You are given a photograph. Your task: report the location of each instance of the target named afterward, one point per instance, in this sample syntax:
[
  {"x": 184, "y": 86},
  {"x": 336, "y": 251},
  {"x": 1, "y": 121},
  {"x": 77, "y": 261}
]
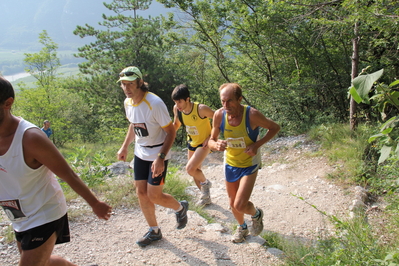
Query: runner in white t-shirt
[{"x": 152, "y": 130}]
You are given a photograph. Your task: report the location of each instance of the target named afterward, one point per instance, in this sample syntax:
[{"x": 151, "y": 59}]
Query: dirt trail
[{"x": 288, "y": 173}]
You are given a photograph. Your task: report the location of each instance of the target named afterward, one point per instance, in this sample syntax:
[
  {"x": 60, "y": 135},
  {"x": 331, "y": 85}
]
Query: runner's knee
[
  {"x": 191, "y": 169},
  {"x": 240, "y": 205}
]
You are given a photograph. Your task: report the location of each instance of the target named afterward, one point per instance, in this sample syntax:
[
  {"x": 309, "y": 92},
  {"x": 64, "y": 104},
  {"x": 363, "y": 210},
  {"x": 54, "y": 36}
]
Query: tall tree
[
  {"x": 51, "y": 99},
  {"x": 355, "y": 67},
  {"x": 204, "y": 21},
  {"x": 44, "y": 64}
]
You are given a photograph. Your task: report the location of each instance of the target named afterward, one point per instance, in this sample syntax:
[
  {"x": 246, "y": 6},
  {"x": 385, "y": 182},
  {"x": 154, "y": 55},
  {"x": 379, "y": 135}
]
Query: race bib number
[
  {"x": 13, "y": 210},
  {"x": 140, "y": 129},
  {"x": 192, "y": 130},
  {"x": 236, "y": 143}
]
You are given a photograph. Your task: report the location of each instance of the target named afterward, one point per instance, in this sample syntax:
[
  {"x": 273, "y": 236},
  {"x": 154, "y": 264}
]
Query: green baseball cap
[{"x": 130, "y": 73}]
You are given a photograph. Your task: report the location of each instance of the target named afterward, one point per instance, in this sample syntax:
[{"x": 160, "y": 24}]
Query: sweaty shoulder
[
  {"x": 219, "y": 112},
  {"x": 257, "y": 119},
  {"x": 35, "y": 142},
  {"x": 33, "y": 137},
  {"x": 205, "y": 111},
  {"x": 217, "y": 117}
]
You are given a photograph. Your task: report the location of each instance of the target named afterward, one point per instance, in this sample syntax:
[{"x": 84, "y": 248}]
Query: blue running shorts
[{"x": 232, "y": 174}]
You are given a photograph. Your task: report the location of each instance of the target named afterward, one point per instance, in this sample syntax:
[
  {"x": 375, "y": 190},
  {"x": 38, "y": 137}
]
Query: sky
[{"x": 21, "y": 25}]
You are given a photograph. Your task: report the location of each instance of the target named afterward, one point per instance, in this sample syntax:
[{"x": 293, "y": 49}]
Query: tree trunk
[{"x": 355, "y": 65}]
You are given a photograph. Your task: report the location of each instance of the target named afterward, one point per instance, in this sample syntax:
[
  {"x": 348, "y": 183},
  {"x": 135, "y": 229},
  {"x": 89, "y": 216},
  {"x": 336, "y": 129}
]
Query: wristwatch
[{"x": 162, "y": 155}]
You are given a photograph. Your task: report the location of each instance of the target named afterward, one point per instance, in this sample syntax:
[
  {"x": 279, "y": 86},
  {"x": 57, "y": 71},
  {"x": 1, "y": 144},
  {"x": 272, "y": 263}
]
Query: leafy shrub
[{"x": 90, "y": 168}]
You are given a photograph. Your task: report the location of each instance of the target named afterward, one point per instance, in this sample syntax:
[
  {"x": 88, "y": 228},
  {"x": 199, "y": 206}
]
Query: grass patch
[
  {"x": 120, "y": 191},
  {"x": 203, "y": 213},
  {"x": 7, "y": 232},
  {"x": 107, "y": 150},
  {"x": 176, "y": 186},
  {"x": 295, "y": 249},
  {"x": 355, "y": 242},
  {"x": 343, "y": 147}
]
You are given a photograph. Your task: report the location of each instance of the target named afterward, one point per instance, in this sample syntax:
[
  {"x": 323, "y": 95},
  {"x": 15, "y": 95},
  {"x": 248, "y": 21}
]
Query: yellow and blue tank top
[
  {"x": 238, "y": 138},
  {"x": 198, "y": 129}
]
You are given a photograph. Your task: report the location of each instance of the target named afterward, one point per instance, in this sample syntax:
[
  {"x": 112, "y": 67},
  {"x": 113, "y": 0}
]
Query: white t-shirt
[
  {"x": 29, "y": 197},
  {"x": 148, "y": 117}
]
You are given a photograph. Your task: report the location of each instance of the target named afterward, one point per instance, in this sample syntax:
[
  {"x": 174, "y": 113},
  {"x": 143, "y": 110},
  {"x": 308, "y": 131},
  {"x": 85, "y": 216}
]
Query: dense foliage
[{"x": 293, "y": 59}]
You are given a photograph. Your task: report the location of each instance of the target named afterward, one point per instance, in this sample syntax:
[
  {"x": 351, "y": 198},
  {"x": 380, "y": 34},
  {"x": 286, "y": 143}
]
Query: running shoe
[
  {"x": 181, "y": 216},
  {"x": 149, "y": 237},
  {"x": 240, "y": 234},
  {"x": 257, "y": 224},
  {"x": 205, "y": 194}
]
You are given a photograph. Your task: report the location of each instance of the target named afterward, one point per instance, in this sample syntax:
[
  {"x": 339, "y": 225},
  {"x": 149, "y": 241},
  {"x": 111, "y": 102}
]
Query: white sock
[
  {"x": 180, "y": 208},
  {"x": 204, "y": 183},
  {"x": 155, "y": 229},
  {"x": 257, "y": 214}
]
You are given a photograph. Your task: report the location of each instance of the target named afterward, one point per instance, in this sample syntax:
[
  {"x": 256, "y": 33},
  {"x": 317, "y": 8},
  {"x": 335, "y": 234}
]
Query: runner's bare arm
[
  {"x": 257, "y": 119},
  {"x": 176, "y": 121},
  {"x": 39, "y": 150},
  {"x": 123, "y": 151},
  {"x": 214, "y": 142},
  {"x": 205, "y": 111},
  {"x": 158, "y": 165}
]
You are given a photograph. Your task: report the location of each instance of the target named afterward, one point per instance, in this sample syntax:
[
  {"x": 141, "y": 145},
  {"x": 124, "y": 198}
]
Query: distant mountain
[{"x": 22, "y": 21}]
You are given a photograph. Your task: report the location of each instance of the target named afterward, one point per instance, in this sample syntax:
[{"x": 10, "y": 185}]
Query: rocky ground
[{"x": 290, "y": 181}]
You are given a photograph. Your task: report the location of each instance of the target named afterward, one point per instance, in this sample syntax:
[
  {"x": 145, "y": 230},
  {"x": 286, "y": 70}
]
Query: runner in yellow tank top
[
  {"x": 238, "y": 139},
  {"x": 198, "y": 128},
  {"x": 241, "y": 167},
  {"x": 195, "y": 118}
]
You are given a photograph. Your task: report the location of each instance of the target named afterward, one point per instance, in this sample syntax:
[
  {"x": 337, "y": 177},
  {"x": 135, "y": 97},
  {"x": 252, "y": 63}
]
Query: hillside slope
[{"x": 288, "y": 170}]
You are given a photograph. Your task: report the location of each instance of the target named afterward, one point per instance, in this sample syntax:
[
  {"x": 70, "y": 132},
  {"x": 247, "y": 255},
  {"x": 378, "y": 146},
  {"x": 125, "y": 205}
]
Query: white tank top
[{"x": 29, "y": 197}]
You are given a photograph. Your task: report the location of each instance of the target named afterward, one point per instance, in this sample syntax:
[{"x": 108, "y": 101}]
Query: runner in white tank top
[
  {"x": 29, "y": 192},
  {"x": 30, "y": 197}
]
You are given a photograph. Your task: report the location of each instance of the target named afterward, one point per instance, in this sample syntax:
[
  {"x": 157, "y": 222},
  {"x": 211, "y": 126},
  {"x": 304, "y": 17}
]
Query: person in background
[
  {"x": 241, "y": 145},
  {"x": 30, "y": 194},
  {"x": 152, "y": 130},
  {"x": 195, "y": 118},
  {"x": 46, "y": 128}
]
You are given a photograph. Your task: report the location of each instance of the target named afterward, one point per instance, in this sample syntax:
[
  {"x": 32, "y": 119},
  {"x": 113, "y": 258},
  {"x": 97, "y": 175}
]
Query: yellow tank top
[
  {"x": 238, "y": 138},
  {"x": 198, "y": 129}
]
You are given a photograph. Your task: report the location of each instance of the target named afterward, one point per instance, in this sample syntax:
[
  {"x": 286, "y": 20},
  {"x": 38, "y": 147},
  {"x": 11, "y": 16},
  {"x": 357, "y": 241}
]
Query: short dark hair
[
  {"x": 180, "y": 92},
  {"x": 6, "y": 90}
]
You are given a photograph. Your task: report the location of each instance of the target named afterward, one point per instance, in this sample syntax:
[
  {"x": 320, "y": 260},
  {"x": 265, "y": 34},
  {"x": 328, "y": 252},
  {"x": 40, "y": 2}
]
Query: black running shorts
[
  {"x": 37, "y": 236},
  {"x": 142, "y": 171}
]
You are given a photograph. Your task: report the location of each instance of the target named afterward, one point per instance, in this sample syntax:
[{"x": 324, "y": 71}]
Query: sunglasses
[{"x": 128, "y": 74}]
